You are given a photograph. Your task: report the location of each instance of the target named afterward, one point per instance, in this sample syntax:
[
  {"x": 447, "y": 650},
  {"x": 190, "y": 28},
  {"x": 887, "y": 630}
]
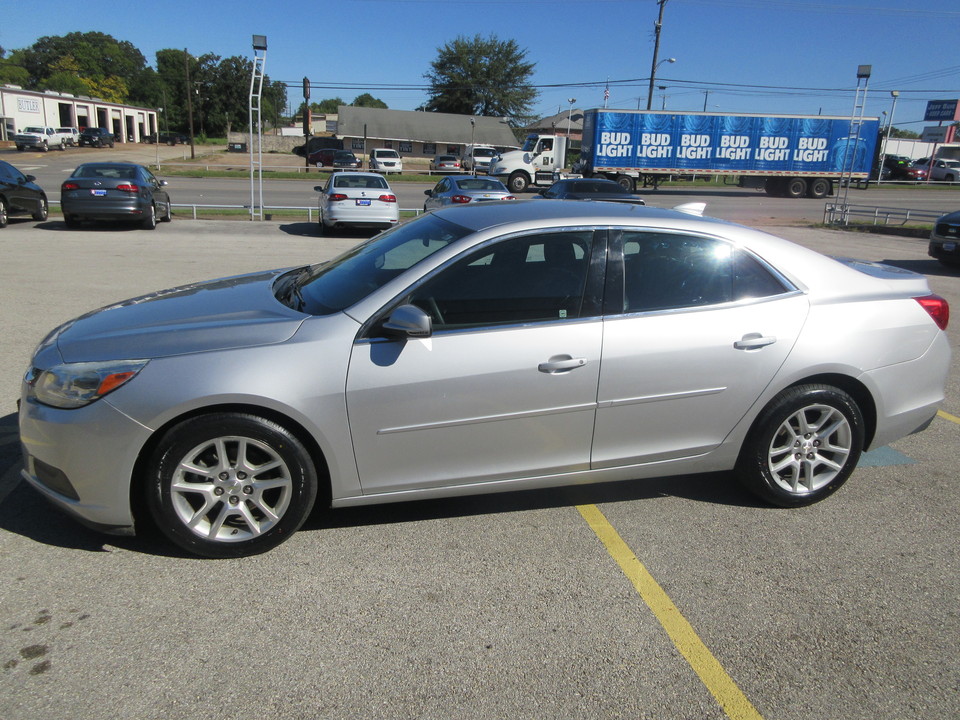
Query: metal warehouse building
[{"x": 20, "y": 108}]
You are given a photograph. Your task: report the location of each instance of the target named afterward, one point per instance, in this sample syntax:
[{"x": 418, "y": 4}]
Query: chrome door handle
[
  {"x": 561, "y": 363},
  {"x": 753, "y": 341}
]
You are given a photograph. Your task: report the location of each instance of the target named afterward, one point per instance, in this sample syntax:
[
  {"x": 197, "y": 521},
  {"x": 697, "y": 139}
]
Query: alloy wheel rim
[
  {"x": 810, "y": 449},
  {"x": 231, "y": 489}
]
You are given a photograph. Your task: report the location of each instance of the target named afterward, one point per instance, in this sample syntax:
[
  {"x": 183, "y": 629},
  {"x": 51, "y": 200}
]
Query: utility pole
[
  {"x": 656, "y": 51},
  {"x": 186, "y": 68}
]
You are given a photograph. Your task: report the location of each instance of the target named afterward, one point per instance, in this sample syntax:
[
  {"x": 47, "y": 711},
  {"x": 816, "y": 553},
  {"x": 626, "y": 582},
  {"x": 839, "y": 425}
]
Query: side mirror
[
  {"x": 408, "y": 321},
  {"x": 29, "y": 178},
  {"x": 318, "y": 188},
  {"x": 428, "y": 193}
]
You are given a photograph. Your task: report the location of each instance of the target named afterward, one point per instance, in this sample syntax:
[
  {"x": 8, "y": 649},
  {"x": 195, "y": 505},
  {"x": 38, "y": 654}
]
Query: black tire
[
  {"x": 20, "y": 148},
  {"x": 803, "y": 446},
  {"x": 63, "y": 145},
  {"x": 150, "y": 218},
  {"x": 168, "y": 215},
  {"x": 4, "y": 213},
  {"x": 627, "y": 183},
  {"x": 818, "y": 188},
  {"x": 71, "y": 222},
  {"x": 43, "y": 212},
  {"x": 45, "y": 147},
  {"x": 245, "y": 503},
  {"x": 518, "y": 182},
  {"x": 795, "y": 187}
]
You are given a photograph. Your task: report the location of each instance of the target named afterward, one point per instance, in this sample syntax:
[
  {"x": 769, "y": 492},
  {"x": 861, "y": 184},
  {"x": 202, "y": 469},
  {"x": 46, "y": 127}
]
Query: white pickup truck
[{"x": 42, "y": 138}]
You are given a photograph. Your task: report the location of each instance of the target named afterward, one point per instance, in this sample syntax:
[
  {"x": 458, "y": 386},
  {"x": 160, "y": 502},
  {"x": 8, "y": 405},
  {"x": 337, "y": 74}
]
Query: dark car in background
[
  {"x": 168, "y": 138},
  {"x": 96, "y": 137},
  {"x": 945, "y": 240},
  {"x": 20, "y": 195},
  {"x": 593, "y": 189},
  {"x": 114, "y": 191},
  {"x": 332, "y": 157}
]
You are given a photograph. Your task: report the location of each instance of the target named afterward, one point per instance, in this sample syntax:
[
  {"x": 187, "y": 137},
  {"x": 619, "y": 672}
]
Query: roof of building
[
  {"x": 417, "y": 126},
  {"x": 561, "y": 121}
]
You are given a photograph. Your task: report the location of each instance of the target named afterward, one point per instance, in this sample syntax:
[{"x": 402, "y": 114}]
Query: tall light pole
[
  {"x": 656, "y": 51},
  {"x": 570, "y": 119},
  {"x": 256, "y": 141},
  {"x": 886, "y": 138},
  {"x": 652, "y": 75}
]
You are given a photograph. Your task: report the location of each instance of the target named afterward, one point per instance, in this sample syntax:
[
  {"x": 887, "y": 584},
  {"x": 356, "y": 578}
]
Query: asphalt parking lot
[{"x": 679, "y": 598}]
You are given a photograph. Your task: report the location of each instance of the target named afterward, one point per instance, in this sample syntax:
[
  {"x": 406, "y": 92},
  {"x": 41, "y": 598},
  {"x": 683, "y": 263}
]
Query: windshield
[
  {"x": 34, "y": 130},
  {"x": 387, "y": 154},
  {"x": 530, "y": 143},
  {"x": 347, "y": 279}
]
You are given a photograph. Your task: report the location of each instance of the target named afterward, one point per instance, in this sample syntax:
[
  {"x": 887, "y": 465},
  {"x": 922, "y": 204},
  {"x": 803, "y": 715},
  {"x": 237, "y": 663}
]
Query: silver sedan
[
  {"x": 480, "y": 349},
  {"x": 465, "y": 189},
  {"x": 360, "y": 200}
]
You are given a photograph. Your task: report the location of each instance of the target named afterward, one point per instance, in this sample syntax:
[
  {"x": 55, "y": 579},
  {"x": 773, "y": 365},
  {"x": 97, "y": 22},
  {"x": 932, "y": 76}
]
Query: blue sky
[{"x": 770, "y": 56}]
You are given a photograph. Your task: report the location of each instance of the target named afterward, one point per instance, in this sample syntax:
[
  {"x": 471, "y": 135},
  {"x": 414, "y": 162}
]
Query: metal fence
[{"x": 842, "y": 213}]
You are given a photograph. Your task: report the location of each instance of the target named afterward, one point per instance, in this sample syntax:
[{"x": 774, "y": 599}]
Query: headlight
[{"x": 73, "y": 385}]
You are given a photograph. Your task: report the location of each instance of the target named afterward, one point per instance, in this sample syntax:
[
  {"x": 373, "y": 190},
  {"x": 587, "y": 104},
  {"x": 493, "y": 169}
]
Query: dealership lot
[{"x": 481, "y": 607}]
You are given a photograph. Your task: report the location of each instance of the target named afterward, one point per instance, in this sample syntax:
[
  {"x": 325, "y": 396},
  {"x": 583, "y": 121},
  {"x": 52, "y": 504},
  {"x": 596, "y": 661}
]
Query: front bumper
[
  {"x": 945, "y": 249},
  {"x": 83, "y": 460}
]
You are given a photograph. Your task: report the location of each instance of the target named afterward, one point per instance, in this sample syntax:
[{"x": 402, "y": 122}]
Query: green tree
[
  {"x": 481, "y": 76},
  {"x": 328, "y": 106},
  {"x": 12, "y": 70},
  {"x": 368, "y": 100}
]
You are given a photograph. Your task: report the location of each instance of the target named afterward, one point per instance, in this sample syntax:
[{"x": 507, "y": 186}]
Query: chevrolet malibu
[{"x": 480, "y": 349}]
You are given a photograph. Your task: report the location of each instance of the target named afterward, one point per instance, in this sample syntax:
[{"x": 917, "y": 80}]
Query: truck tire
[
  {"x": 627, "y": 183},
  {"x": 45, "y": 147},
  {"x": 518, "y": 181},
  {"x": 818, "y": 188},
  {"x": 795, "y": 187}
]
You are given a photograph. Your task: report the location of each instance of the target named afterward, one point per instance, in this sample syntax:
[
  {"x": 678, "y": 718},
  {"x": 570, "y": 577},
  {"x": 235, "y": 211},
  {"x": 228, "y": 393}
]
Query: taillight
[
  {"x": 337, "y": 196},
  {"x": 128, "y": 187},
  {"x": 461, "y": 199},
  {"x": 69, "y": 186},
  {"x": 388, "y": 198},
  {"x": 937, "y": 308},
  {"x": 510, "y": 197}
]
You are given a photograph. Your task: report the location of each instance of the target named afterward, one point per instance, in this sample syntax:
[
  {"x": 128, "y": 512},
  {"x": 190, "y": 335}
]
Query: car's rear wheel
[
  {"x": 43, "y": 212},
  {"x": 4, "y": 213},
  {"x": 803, "y": 446},
  {"x": 150, "y": 218},
  {"x": 168, "y": 215},
  {"x": 71, "y": 221},
  {"x": 230, "y": 485}
]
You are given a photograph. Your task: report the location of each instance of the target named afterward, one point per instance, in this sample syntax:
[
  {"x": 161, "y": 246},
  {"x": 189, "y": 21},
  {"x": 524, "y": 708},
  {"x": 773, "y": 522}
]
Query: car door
[
  {"x": 20, "y": 197},
  {"x": 692, "y": 336},
  {"x": 504, "y": 388}
]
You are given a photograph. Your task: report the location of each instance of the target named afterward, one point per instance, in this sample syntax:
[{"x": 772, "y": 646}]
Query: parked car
[
  {"x": 386, "y": 161},
  {"x": 946, "y": 170},
  {"x": 96, "y": 137},
  {"x": 20, "y": 195},
  {"x": 913, "y": 172},
  {"x": 71, "y": 134},
  {"x": 463, "y": 189},
  {"x": 477, "y": 158},
  {"x": 331, "y": 157},
  {"x": 357, "y": 200},
  {"x": 114, "y": 191},
  {"x": 40, "y": 137},
  {"x": 168, "y": 138},
  {"x": 487, "y": 348},
  {"x": 945, "y": 239},
  {"x": 445, "y": 163},
  {"x": 589, "y": 189}
]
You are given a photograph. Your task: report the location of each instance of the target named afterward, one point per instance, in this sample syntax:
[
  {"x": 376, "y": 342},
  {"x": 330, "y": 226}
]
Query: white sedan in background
[{"x": 357, "y": 200}]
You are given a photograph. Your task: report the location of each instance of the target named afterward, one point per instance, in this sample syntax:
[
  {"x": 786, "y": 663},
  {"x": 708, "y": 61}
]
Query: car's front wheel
[
  {"x": 803, "y": 446},
  {"x": 4, "y": 213},
  {"x": 230, "y": 485}
]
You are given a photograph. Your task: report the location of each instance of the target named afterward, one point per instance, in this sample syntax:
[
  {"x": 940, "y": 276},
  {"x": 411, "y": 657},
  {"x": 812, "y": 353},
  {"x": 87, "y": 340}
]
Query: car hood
[{"x": 229, "y": 313}]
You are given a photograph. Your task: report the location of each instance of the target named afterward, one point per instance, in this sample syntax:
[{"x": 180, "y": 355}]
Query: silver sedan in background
[
  {"x": 464, "y": 189},
  {"x": 480, "y": 349},
  {"x": 360, "y": 200}
]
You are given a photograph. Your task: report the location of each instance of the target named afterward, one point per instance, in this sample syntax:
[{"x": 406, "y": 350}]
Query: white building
[{"x": 20, "y": 108}]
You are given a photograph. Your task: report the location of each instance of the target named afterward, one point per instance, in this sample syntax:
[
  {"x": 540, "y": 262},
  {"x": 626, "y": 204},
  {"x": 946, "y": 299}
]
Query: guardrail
[{"x": 840, "y": 214}]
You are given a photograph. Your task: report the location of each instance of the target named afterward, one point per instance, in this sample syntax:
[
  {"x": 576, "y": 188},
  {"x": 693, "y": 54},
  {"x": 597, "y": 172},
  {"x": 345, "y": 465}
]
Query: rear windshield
[{"x": 373, "y": 182}]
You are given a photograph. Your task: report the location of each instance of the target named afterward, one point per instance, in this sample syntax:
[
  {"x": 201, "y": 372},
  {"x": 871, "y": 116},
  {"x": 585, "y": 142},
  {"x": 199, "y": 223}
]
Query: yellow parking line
[
  {"x": 734, "y": 703},
  {"x": 948, "y": 416}
]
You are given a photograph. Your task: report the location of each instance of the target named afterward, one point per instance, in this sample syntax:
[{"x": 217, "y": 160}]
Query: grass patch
[{"x": 912, "y": 231}]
